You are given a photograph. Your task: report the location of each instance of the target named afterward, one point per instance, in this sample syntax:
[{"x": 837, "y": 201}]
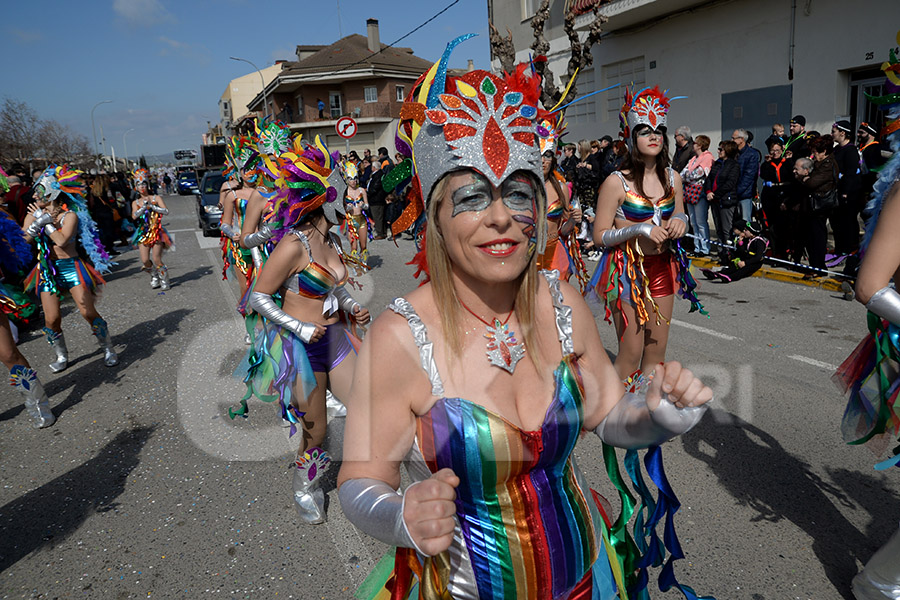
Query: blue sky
[{"x": 164, "y": 63}]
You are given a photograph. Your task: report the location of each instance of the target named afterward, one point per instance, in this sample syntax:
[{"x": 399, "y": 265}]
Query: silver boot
[
  {"x": 58, "y": 342},
  {"x": 163, "y": 278},
  {"x": 101, "y": 330},
  {"x": 154, "y": 277},
  {"x": 880, "y": 580},
  {"x": 309, "y": 499},
  {"x": 334, "y": 407},
  {"x": 37, "y": 405}
]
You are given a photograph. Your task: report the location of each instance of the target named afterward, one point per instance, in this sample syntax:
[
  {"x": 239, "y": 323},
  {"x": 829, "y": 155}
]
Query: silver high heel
[
  {"x": 58, "y": 342},
  {"x": 309, "y": 499},
  {"x": 37, "y": 404},
  {"x": 101, "y": 330}
]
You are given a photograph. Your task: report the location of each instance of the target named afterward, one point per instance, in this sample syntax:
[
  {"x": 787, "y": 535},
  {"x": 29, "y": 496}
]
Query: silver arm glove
[
  {"x": 266, "y": 307},
  {"x": 377, "y": 509},
  {"x": 614, "y": 237},
  {"x": 257, "y": 257},
  {"x": 683, "y": 218},
  {"x": 49, "y": 229},
  {"x": 158, "y": 209},
  {"x": 345, "y": 300},
  {"x": 227, "y": 229},
  {"x": 630, "y": 424},
  {"x": 140, "y": 210},
  {"x": 886, "y": 304},
  {"x": 258, "y": 237},
  {"x": 38, "y": 224}
]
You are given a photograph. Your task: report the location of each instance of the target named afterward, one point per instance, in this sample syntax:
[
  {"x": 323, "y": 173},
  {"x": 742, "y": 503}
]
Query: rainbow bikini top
[
  {"x": 314, "y": 281},
  {"x": 555, "y": 210},
  {"x": 353, "y": 201},
  {"x": 638, "y": 209},
  {"x": 525, "y": 524}
]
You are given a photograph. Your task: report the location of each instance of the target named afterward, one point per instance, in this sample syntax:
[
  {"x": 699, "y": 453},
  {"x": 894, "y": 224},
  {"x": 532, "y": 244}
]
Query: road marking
[
  {"x": 711, "y": 332},
  {"x": 194, "y": 229},
  {"x": 206, "y": 242},
  {"x": 813, "y": 362}
]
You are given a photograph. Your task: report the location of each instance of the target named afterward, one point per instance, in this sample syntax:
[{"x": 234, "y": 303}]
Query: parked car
[
  {"x": 209, "y": 213},
  {"x": 186, "y": 183}
]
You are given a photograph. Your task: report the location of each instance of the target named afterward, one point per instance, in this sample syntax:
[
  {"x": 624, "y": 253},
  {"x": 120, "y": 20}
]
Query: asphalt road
[{"x": 145, "y": 488}]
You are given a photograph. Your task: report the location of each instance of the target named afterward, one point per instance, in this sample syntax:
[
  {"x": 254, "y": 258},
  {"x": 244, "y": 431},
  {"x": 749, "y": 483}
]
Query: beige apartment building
[{"x": 741, "y": 63}]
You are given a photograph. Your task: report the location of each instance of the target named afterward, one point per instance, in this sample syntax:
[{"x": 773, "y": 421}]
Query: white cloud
[
  {"x": 25, "y": 36},
  {"x": 142, "y": 12},
  {"x": 196, "y": 54}
]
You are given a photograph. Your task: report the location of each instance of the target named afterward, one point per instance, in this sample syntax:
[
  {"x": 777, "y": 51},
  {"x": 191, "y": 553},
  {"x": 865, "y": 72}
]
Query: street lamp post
[
  {"x": 94, "y": 131},
  {"x": 125, "y": 143},
  {"x": 261, "y": 79}
]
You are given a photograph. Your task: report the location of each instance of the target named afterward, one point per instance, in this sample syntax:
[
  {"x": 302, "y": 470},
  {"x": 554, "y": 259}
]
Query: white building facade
[{"x": 741, "y": 63}]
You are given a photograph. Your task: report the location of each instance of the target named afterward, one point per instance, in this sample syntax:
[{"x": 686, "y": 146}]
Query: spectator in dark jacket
[
  {"x": 796, "y": 145},
  {"x": 377, "y": 200},
  {"x": 748, "y": 160},
  {"x": 818, "y": 177},
  {"x": 684, "y": 145},
  {"x": 567, "y": 164},
  {"x": 780, "y": 209},
  {"x": 587, "y": 175},
  {"x": 845, "y": 216},
  {"x": 720, "y": 187},
  {"x": 873, "y": 160}
]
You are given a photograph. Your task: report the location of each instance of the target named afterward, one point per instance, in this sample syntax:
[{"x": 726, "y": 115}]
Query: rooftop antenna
[{"x": 340, "y": 28}]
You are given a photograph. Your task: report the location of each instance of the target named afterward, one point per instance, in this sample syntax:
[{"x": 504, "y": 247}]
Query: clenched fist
[{"x": 429, "y": 510}]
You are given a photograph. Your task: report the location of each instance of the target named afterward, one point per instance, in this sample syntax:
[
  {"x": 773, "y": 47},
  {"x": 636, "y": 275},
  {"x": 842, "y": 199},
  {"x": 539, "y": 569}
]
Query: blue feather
[{"x": 15, "y": 252}]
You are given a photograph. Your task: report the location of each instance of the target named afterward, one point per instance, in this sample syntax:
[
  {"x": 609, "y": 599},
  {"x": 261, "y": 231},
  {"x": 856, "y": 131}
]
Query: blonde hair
[
  {"x": 584, "y": 148},
  {"x": 444, "y": 292}
]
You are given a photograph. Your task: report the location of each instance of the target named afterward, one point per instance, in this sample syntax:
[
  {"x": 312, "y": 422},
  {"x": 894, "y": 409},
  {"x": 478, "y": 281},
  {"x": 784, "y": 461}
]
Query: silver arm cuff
[
  {"x": 345, "y": 300},
  {"x": 227, "y": 229},
  {"x": 158, "y": 209},
  {"x": 886, "y": 304},
  {"x": 258, "y": 237},
  {"x": 377, "y": 509},
  {"x": 683, "y": 218},
  {"x": 49, "y": 229},
  {"x": 630, "y": 424},
  {"x": 266, "y": 307},
  {"x": 140, "y": 210},
  {"x": 257, "y": 257},
  {"x": 614, "y": 237},
  {"x": 38, "y": 224}
]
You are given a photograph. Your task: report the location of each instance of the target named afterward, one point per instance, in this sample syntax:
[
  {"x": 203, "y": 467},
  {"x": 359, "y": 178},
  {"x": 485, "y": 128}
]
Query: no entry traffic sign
[{"x": 346, "y": 127}]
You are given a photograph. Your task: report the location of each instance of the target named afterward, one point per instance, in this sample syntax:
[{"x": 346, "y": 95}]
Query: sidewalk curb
[{"x": 825, "y": 283}]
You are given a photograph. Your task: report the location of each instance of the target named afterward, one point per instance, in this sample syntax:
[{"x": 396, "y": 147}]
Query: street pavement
[{"x": 145, "y": 487}]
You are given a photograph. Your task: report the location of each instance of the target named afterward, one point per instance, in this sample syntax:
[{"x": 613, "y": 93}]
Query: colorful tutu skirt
[
  {"x": 15, "y": 304},
  {"x": 556, "y": 257},
  {"x": 62, "y": 275},
  {"x": 150, "y": 232},
  {"x": 870, "y": 377},
  {"x": 236, "y": 259}
]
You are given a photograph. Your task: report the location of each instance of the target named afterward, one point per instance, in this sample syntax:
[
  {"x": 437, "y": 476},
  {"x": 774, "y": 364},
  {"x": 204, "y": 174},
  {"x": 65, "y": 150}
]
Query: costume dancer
[
  {"x": 150, "y": 236},
  {"x": 640, "y": 218},
  {"x": 234, "y": 196},
  {"x": 871, "y": 375},
  {"x": 356, "y": 202},
  {"x": 57, "y": 216},
  {"x": 304, "y": 345},
  {"x": 15, "y": 255},
  {"x": 497, "y": 507},
  {"x": 560, "y": 218}
]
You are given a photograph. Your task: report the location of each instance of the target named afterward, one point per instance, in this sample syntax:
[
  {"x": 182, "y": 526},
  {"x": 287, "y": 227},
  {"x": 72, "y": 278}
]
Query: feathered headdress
[
  {"x": 141, "y": 177},
  {"x": 646, "y": 107},
  {"x": 273, "y": 138},
  {"x": 889, "y": 102},
  {"x": 350, "y": 171},
  {"x": 4, "y": 182},
  {"x": 244, "y": 157},
  {"x": 63, "y": 180},
  {"x": 306, "y": 182},
  {"x": 478, "y": 121}
]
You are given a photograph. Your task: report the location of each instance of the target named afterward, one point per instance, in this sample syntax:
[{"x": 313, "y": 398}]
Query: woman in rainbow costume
[
  {"x": 234, "y": 197},
  {"x": 497, "y": 507},
  {"x": 302, "y": 344},
  {"x": 871, "y": 374},
  {"x": 15, "y": 255},
  {"x": 149, "y": 235},
  {"x": 357, "y": 223},
  {"x": 57, "y": 222},
  {"x": 640, "y": 220}
]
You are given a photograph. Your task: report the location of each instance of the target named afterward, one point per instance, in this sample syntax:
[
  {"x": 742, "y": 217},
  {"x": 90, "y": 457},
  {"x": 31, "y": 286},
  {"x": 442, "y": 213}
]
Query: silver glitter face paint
[{"x": 517, "y": 193}]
